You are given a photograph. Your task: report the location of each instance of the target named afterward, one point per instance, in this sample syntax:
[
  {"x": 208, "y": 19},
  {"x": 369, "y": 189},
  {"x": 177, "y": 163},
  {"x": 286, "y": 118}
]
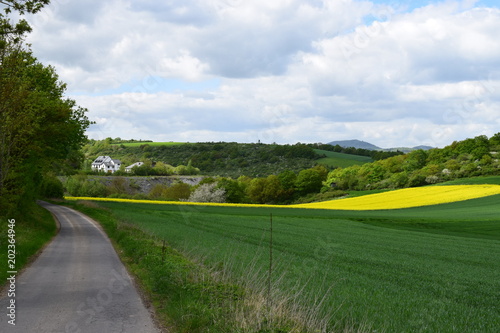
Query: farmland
[
  {"x": 341, "y": 160},
  {"x": 403, "y": 198},
  {"x": 422, "y": 269}
]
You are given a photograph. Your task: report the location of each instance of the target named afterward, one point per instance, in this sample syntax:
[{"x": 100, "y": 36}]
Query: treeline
[
  {"x": 120, "y": 140},
  {"x": 376, "y": 155},
  {"x": 228, "y": 159},
  {"x": 471, "y": 157},
  {"x": 41, "y": 131},
  {"x": 283, "y": 188}
]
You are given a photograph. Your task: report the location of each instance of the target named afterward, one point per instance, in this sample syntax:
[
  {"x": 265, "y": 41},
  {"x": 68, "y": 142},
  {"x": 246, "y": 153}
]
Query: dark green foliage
[
  {"x": 82, "y": 186},
  {"x": 234, "y": 190},
  {"x": 308, "y": 181},
  {"x": 41, "y": 131},
  {"x": 52, "y": 188}
]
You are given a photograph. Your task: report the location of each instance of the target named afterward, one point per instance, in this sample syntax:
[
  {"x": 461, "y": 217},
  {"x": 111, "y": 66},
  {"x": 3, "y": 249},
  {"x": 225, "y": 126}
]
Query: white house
[
  {"x": 106, "y": 164},
  {"x": 130, "y": 167}
]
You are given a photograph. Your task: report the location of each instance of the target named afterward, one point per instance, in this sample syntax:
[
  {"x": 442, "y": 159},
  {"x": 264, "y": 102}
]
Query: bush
[
  {"x": 80, "y": 186},
  {"x": 416, "y": 179},
  {"x": 177, "y": 191},
  {"x": 157, "y": 191},
  {"x": 52, "y": 188},
  {"x": 93, "y": 188},
  {"x": 73, "y": 186},
  {"x": 118, "y": 186},
  {"x": 208, "y": 193}
]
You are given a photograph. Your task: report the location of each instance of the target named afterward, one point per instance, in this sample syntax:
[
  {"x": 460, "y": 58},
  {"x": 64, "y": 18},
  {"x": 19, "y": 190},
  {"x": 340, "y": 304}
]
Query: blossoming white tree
[{"x": 208, "y": 193}]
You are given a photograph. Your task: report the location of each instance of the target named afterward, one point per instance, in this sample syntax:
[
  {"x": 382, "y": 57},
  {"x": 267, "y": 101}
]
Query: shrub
[
  {"x": 177, "y": 191},
  {"x": 416, "y": 179},
  {"x": 208, "y": 193},
  {"x": 118, "y": 186},
  {"x": 73, "y": 186},
  {"x": 81, "y": 186},
  {"x": 52, "y": 188},
  {"x": 93, "y": 188}
]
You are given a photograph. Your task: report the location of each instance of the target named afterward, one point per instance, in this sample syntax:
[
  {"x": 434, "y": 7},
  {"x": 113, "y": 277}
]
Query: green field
[
  {"x": 153, "y": 144},
  {"x": 429, "y": 269},
  {"x": 474, "y": 181},
  {"x": 341, "y": 160}
]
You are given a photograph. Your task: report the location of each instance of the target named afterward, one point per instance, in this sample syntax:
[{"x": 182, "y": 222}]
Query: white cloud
[{"x": 287, "y": 70}]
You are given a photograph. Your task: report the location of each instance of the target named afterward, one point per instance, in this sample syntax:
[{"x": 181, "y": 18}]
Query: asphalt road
[{"x": 78, "y": 284}]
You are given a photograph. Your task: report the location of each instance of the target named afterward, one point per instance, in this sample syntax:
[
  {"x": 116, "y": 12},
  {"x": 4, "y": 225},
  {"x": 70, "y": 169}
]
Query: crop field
[
  {"x": 421, "y": 269},
  {"x": 341, "y": 160}
]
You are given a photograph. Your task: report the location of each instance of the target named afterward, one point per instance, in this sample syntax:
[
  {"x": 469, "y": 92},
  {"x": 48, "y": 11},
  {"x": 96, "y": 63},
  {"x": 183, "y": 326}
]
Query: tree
[
  {"x": 255, "y": 190},
  {"x": 415, "y": 160},
  {"x": 235, "y": 191},
  {"x": 13, "y": 32},
  {"x": 287, "y": 179},
  {"x": 495, "y": 141},
  {"x": 272, "y": 190},
  {"x": 208, "y": 193},
  {"x": 308, "y": 181},
  {"x": 39, "y": 128}
]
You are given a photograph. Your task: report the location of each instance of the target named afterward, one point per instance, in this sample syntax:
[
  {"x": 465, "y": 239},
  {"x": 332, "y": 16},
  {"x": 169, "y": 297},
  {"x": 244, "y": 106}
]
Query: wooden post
[{"x": 163, "y": 252}]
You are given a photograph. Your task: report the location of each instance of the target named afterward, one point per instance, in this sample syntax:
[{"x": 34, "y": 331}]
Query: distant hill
[
  {"x": 366, "y": 145},
  {"x": 355, "y": 144},
  {"x": 423, "y": 147}
]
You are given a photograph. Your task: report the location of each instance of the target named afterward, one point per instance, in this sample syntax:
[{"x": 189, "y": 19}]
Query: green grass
[
  {"x": 152, "y": 144},
  {"x": 341, "y": 160},
  {"x": 187, "y": 296},
  {"x": 33, "y": 229},
  {"x": 474, "y": 181},
  {"x": 432, "y": 269}
]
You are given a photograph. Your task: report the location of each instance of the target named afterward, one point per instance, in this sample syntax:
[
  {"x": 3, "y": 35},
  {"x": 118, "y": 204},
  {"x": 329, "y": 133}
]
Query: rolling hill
[
  {"x": 366, "y": 145},
  {"x": 355, "y": 144}
]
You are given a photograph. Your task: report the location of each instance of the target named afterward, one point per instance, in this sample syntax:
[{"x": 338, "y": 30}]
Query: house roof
[{"x": 106, "y": 160}]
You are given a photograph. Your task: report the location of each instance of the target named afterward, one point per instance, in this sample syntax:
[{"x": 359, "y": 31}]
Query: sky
[{"x": 393, "y": 73}]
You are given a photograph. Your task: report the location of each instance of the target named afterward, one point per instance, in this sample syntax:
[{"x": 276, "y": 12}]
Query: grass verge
[
  {"x": 191, "y": 297},
  {"x": 33, "y": 230}
]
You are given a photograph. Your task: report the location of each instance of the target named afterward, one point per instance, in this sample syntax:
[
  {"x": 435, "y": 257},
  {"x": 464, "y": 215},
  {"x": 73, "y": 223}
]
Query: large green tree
[{"x": 39, "y": 127}]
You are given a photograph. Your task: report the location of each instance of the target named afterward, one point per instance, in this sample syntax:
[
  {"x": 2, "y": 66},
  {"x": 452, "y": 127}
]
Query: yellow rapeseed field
[
  {"x": 405, "y": 198},
  {"x": 409, "y": 197}
]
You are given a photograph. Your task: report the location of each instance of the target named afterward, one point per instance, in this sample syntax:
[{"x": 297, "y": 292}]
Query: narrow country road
[{"x": 78, "y": 284}]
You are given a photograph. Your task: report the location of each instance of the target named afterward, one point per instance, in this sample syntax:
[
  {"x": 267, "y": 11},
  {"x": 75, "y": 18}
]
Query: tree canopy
[{"x": 40, "y": 129}]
